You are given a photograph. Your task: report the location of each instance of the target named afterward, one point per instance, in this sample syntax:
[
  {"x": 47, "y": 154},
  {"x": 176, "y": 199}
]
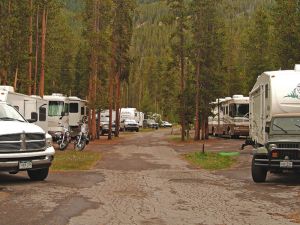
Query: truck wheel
[
  {"x": 137, "y": 130},
  {"x": 38, "y": 175},
  {"x": 259, "y": 174}
]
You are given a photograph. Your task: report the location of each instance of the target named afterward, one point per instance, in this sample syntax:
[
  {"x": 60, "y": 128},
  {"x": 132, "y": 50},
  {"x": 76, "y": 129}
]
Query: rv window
[
  {"x": 42, "y": 114},
  {"x": 266, "y": 91},
  {"x": 55, "y": 108},
  {"x": 74, "y": 107},
  {"x": 82, "y": 111}
]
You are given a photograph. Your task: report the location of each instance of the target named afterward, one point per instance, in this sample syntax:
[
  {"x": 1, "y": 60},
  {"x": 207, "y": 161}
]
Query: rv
[
  {"x": 230, "y": 117},
  {"x": 30, "y": 107},
  {"x": 58, "y": 113},
  {"x": 132, "y": 114},
  {"x": 275, "y": 123},
  {"x": 77, "y": 110}
]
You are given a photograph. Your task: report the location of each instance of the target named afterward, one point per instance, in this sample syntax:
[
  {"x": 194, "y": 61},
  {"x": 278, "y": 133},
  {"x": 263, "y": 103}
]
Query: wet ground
[{"x": 143, "y": 179}]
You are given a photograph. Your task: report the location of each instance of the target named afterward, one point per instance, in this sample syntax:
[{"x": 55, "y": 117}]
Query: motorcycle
[
  {"x": 82, "y": 139},
  {"x": 63, "y": 138}
]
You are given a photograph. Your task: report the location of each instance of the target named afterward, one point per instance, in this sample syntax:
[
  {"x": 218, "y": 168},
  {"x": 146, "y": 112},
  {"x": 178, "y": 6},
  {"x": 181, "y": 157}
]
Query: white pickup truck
[{"x": 23, "y": 146}]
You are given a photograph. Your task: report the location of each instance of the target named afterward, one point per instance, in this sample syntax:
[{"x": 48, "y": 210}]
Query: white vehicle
[
  {"x": 105, "y": 114},
  {"x": 77, "y": 111},
  {"x": 129, "y": 125},
  {"x": 231, "y": 118},
  {"x": 275, "y": 123},
  {"x": 132, "y": 114},
  {"x": 58, "y": 113},
  {"x": 30, "y": 107},
  {"x": 23, "y": 146}
]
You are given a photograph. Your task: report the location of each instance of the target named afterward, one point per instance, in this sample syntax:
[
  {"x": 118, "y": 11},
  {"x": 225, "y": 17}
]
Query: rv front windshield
[
  {"x": 241, "y": 110},
  {"x": 55, "y": 108},
  {"x": 9, "y": 113},
  {"x": 287, "y": 124}
]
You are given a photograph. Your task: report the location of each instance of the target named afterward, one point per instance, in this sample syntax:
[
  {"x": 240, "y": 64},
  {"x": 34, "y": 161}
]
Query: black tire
[
  {"x": 137, "y": 130},
  {"x": 63, "y": 146},
  {"x": 38, "y": 175},
  {"x": 259, "y": 174},
  {"x": 80, "y": 146}
]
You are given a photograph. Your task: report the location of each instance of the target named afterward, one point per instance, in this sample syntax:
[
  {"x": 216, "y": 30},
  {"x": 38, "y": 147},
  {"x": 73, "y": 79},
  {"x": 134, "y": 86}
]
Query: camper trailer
[
  {"x": 275, "y": 123},
  {"x": 30, "y": 107},
  {"x": 58, "y": 113},
  {"x": 77, "y": 110},
  {"x": 132, "y": 114},
  {"x": 230, "y": 117}
]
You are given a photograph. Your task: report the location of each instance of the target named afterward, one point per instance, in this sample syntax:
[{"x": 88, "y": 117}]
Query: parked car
[
  {"x": 150, "y": 123},
  {"x": 104, "y": 126},
  {"x": 166, "y": 124},
  {"x": 130, "y": 125}
]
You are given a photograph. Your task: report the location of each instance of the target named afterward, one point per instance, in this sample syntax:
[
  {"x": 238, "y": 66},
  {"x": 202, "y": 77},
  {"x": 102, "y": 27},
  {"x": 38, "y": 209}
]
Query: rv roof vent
[
  {"x": 238, "y": 96},
  {"x": 297, "y": 67},
  {"x": 228, "y": 98},
  {"x": 7, "y": 88},
  {"x": 36, "y": 96},
  {"x": 57, "y": 94}
]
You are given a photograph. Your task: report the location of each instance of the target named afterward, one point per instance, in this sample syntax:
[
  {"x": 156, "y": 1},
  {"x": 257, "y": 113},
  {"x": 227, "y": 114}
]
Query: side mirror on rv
[
  {"x": 34, "y": 117},
  {"x": 267, "y": 129}
]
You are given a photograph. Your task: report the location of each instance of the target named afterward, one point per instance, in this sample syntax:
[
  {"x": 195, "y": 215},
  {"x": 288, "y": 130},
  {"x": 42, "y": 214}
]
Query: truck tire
[
  {"x": 259, "y": 174},
  {"x": 38, "y": 175}
]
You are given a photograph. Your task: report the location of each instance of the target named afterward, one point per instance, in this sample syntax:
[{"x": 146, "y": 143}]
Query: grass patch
[
  {"x": 147, "y": 129},
  {"x": 210, "y": 161},
  {"x": 74, "y": 160}
]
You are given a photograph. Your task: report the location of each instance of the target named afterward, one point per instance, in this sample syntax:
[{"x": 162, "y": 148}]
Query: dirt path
[{"x": 143, "y": 180}]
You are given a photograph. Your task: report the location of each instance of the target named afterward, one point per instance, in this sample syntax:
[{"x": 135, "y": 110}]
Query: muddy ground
[{"x": 143, "y": 179}]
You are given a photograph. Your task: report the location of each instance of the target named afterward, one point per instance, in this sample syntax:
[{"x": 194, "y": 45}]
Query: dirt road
[{"x": 144, "y": 180}]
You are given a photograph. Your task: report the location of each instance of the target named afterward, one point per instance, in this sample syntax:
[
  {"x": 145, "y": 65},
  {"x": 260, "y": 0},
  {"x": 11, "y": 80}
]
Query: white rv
[
  {"x": 77, "y": 110},
  {"x": 231, "y": 117},
  {"x": 58, "y": 113},
  {"x": 30, "y": 107},
  {"x": 275, "y": 123},
  {"x": 132, "y": 114}
]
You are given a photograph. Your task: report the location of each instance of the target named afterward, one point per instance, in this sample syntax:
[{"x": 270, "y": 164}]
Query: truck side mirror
[
  {"x": 267, "y": 129},
  {"x": 34, "y": 117}
]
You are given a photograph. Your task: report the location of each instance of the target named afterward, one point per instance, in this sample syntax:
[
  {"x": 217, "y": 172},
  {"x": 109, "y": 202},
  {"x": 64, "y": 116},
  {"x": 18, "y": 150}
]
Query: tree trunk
[
  {"x": 197, "y": 122},
  {"x": 111, "y": 88},
  {"x": 16, "y": 78},
  {"x": 36, "y": 52},
  {"x": 42, "y": 78},
  {"x": 118, "y": 96},
  {"x": 29, "y": 90}
]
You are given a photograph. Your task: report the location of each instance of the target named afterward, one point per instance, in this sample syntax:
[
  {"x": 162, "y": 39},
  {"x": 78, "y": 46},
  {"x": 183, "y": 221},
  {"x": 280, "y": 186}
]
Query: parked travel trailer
[
  {"x": 30, "y": 107},
  {"x": 78, "y": 109},
  {"x": 230, "y": 117},
  {"x": 275, "y": 122},
  {"x": 58, "y": 113},
  {"x": 132, "y": 114}
]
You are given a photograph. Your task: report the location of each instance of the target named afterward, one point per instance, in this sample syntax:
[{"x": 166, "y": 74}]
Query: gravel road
[{"x": 144, "y": 180}]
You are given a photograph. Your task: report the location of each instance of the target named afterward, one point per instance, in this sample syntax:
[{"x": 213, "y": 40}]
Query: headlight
[
  {"x": 272, "y": 146},
  {"x": 48, "y": 141}
]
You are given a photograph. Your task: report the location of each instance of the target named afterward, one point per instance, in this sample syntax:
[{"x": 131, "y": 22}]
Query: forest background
[{"x": 170, "y": 57}]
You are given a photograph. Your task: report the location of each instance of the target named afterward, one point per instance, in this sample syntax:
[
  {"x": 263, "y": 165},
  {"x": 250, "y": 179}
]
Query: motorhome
[
  {"x": 30, "y": 107},
  {"x": 275, "y": 123},
  {"x": 77, "y": 110},
  {"x": 58, "y": 113},
  {"x": 230, "y": 117},
  {"x": 23, "y": 146}
]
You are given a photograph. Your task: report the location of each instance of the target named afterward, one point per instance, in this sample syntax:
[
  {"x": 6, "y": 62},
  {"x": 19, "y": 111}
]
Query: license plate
[
  {"x": 25, "y": 165},
  {"x": 286, "y": 164}
]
